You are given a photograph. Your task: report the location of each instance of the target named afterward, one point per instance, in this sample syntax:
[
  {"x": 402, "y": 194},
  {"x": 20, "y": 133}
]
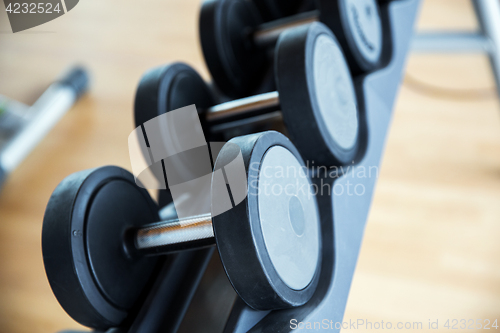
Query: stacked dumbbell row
[
  {"x": 101, "y": 230},
  {"x": 315, "y": 94}
]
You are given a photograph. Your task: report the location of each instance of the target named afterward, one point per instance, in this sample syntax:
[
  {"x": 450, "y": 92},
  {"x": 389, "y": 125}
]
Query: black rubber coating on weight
[
  {"x": 237, "y": 67},
  {"x": 239, "y": 237},
  {"x": 83, "y": 245},
  {"x": 341, "y": 16},
  {"x": 275, "y": 9},
  {"x": 294, "y": 66},
  {"x": 168, "y": 88}
]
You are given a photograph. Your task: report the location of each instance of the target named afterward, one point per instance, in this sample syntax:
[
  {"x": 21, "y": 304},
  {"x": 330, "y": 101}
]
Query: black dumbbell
[
  {"x": 101, "y": 233},
  {"x": 235, "y": 43},
  {"x": 315, "y": 95}
]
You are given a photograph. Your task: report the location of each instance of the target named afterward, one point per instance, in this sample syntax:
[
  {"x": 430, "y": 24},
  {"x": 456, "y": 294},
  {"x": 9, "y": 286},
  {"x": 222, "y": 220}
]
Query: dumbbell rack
[{"x": 204, "y": 302}]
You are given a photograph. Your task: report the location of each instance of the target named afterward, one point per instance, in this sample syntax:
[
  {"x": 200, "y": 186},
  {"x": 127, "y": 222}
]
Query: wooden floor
[{"x": 432, "y": 245}]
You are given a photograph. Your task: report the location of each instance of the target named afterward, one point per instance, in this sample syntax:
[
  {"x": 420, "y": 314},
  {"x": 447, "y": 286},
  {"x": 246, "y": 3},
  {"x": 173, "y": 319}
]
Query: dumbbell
[
  {"x": 23, "y": 127},
  {"x": 315, "y": 95},
  {"x": 235, "y": 43},
  {"x": 102, "y": 236}
]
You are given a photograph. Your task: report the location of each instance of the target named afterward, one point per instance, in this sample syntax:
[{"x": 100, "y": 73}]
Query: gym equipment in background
[
  {"x": 315, "y": 99},
  {"x": 235, "y": 43},
  {"x": 485, "y": 40},
  {"x": 100, "y": 228},
  {"x": 22, "y": 126}
]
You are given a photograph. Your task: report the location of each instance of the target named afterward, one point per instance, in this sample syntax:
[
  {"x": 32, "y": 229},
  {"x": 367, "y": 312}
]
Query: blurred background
[{"x": 431, "y": 249}]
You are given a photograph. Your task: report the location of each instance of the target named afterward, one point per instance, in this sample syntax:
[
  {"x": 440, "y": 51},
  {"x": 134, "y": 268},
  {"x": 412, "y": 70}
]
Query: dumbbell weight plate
[
  {"x": 168, "y": 88},
  {"x": 270, "y": 243},
  {"x": 236, "y": 66},
  {"x": 317, "y": 95},
  {"x": 82, "y": 244},
  {"x": 357, "y": 25},
  {"x": 275, "y": 9}
]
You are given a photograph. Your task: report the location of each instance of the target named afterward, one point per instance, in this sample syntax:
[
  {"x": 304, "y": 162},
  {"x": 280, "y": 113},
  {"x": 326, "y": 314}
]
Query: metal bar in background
[
  {"x": 454, "y": 42},
  {"x": 488, "y": 16},
  {"x": 486, "y": 40},
  {"x": 39, "y": 119}
]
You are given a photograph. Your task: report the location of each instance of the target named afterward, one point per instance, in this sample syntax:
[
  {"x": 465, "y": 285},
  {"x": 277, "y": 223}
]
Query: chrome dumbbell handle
[
  {"x": 174, "y": 235},
  {"x": 248, "y": 106},
  {"x": 267, "y": 34}
]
